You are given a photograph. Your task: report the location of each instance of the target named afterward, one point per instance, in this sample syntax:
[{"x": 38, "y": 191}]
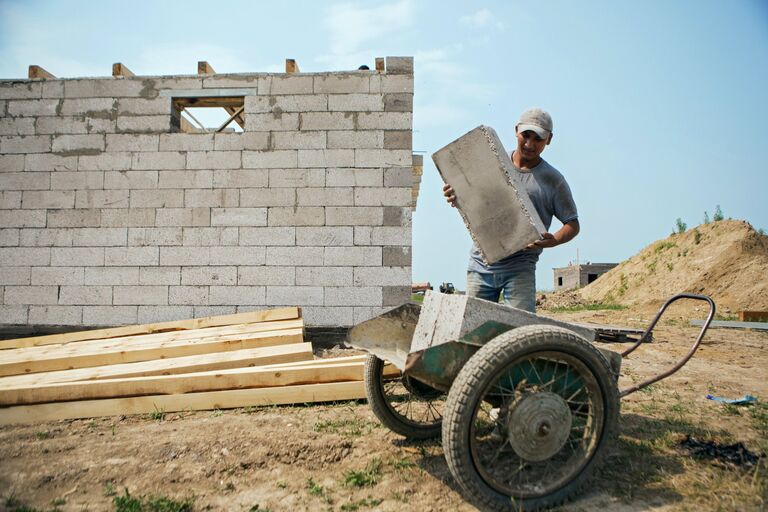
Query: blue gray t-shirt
[{"x": 551, "y": 196}]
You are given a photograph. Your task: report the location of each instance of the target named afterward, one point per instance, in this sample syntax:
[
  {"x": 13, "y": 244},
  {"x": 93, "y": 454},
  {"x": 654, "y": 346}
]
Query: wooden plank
[
  {"x": 38, "y": 72},
  {"x": 120, "y": 69},
  {"x": 379, "y": 63},
  {"x": 191, "y": 323},
  {"x": 62, "y": 360},
  {"x": 236, "y": 378},
  {"x": 753, "y": 316},
  {"x": 265, "y": 356},
  {"x": 209, "y": 101},
  {"x": 204, "y": 68},
  {"x": 291, "y": 66},
  {"x": 312, "y": 393}
]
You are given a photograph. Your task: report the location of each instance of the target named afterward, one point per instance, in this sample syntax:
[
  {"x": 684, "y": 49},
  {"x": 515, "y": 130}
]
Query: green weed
[
  {"x": 318, "y": 490},
  {"x": 109, "y": 489},
  {"x": 696, "y": 236},
  {"x": 128, "y": 503},
  {"x": 355, "y": 505},
  {"x": 364, "y": 478},
  {"x": 43, "y": 434},
  {"x": 351, "y": 427},
  {"x": 623, "y": 286},
  {"x": 157, "y": 414}
]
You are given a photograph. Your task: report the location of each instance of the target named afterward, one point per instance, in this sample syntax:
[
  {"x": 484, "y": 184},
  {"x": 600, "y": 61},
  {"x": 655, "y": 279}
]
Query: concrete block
[
  {"x": 324, "y": 276},
  {"x": 49, "y": 162},
  {"x": 240, "y": 178},
  {"x": 353, "y": 216},
  {"x": 385, "y": 121},
  {"x": 53, "y": 89},
  {"x": 33, "y": 108},
  {"x": 268, "y": 236},
  {"x": 159, "y": 275},
  {"x": 382, "y": 158},
  {"x": 55, "y": 315},
  {"x": 132, "y": 142},
  {"x": 352, "y": 256},
  {"x": 398, "y": 102},
  {"x": 349, "y": 139},
  {"x": 10, "y": 199},
  {"x": 144, "y": 124},
  {"x": 296, "y": 216},
  {"x": 285, "y": 84},
  {"x": 25, "y": 181},
  {"x": 365, "y": 196},
  {"x": 31, "y": 295},
  {"x": 20, "y": 89},
  {"x": 149, "y": 237},
  {"x": 17, "y": 126},
  {"x": 237, "y": 255},
  {"x": 326, "y": 158},
  {"x": 272, "y": 122},
  {"x": 286, "y": 103},
  {"x": 66, "y": 180},
  {"x": 267, "y": 197},
  {"x": 296, "y": 178},
  {"x": 399, "y": 65},
  {"x": 25, "y": 256},
  {"x": 298, "y": 295},
  {"x": 102, "y": 199},
  {"x": 14, "y": 315},
  {"x": 111, "y": 276},
  {"x": 139, "y": 295},
  {"x": 238, "y": 217},
  {"x": 264, "y": 276},
  {"x": 9, "y": 237},
  {"x": 15, "y": 276},
  {"x": 132, "y": 256},
  {"x": 203, "y": 311},
  {"x": 398, "y": 139},
  {"x": 218, "y": 198},
  {"x": 269, "y": 159},
  {"x": 140, "y": 106},
  {"x": 368, "y": 177},
  {"x": 397, "y": 216},
  {"x": 9, "y": 163},
  {"x": 382, "y": 276},
  {"x": 353, "y": 296},
  {"x": 214, "y": 160},
  {"x": 71, "y": 256},
  {"x": 383, "y": 236},
  {"x": 109, "y": 88},
  {"x": 105, "y": 162},
  {"x": 187, "y": 295},
  {"x": 327, "y": 121},
  {"x": 154, "y": 314},
  {"x": 334, "y": 196},
  {"x": 363, "y": 313},
  {"x": 396, "y": 256},
  {"x": 49, "y": 237},
  {"x": 209, "y": 237},
  {"x": 85, "y": 295},
  {"x": 78, "y": 144},
  {"x": 78, "y": 218},
  {"x": 490, "y": 196},
  {"x": 356, "y": 102},
  {"x": 299, "y": 140},
  {"x": 241, "y": 141},
  {"x": 177, "y": 83},
  {"x": 133, "y": 217},
  {"x": 158, "y": 161},
  {"x": 237, "y": 295},
  {"x": 73, "y": 125},
  {"x": 317, "y": 316},
  {"x": 206, "y": 276},
  {"x": 53, "y": 276},
  {"x": 324, "y": 236},
  {"x": 231, "y": 81},
  {"x": 104, "y": 237},
  {"x": 110, "y": 315},
  {"x": 294, "y": 256},
  {"x": 131, "y": 180},
  {"x": 176, "y": 217},
  {"x": 171, "y": 256},
  {"x": 185, "y": 179},
  {"x": 398, "y": 177},
  {"x": 396, "y": 295},
  {"x": 91, "y": 107},
  {"x": 22, "y": 219},
  {"x": 25, "y": 144},
  {"x": 186, "y": 141},
  {"x": 342, "y": 83}
]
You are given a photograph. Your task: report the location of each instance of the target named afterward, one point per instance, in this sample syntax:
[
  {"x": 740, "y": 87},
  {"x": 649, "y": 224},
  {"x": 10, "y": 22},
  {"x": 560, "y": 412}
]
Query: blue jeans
[{"x": 518, "y": 287}]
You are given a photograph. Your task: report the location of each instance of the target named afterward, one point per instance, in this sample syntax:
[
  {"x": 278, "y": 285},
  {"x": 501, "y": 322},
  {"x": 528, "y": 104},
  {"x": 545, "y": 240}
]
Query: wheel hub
[{"x": 538, "y": 426}]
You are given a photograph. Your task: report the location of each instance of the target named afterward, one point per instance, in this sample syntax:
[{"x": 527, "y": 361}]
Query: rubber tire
[
  {"x": 471, "y": 383},
  {"x": 374, "y": 391}
]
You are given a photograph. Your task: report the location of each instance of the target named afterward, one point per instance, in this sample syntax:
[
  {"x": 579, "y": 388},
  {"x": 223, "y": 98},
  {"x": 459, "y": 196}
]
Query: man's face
[{"x": 530, "y": 145}]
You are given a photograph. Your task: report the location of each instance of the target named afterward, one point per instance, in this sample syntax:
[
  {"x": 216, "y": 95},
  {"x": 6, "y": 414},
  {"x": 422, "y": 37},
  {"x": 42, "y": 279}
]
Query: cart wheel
[
  {"x": 528, "y": 418},
  {"x": 405, "y": 405}
]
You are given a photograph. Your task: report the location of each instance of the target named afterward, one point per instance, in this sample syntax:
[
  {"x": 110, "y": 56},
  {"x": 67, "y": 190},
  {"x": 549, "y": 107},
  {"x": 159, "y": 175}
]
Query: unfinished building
[
  {"x": 116, "y": 208},
  {"x": 578, "y": 275}
]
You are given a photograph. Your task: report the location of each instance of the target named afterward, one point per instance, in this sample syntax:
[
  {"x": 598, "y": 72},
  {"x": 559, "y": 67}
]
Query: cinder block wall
[{"x": 108, "y": 218}]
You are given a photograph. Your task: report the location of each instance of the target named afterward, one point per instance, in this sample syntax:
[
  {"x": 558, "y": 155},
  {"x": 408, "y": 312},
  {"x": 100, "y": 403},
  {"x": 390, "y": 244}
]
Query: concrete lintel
[{"x": 211, "y": 93}]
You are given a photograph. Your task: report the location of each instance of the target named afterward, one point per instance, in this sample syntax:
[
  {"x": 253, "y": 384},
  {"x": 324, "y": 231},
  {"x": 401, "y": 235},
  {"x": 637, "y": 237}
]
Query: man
[{"x": 515, "y": 275}]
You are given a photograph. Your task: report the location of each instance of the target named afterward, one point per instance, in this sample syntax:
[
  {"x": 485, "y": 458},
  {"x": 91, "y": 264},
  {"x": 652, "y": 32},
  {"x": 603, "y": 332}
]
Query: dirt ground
[{"x": 338, "y": 457}]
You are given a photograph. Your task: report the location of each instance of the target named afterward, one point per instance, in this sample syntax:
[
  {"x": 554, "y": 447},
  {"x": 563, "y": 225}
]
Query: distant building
[{"x": 576, "y": 276}]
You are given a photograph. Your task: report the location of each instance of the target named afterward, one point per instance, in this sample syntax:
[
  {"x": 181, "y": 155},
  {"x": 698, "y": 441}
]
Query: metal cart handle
[{"x": 649, "y": 330}]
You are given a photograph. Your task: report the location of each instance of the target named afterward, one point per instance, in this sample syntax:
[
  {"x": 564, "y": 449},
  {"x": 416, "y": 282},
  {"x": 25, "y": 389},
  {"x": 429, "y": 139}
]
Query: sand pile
[{"x": 727, "y": 260}]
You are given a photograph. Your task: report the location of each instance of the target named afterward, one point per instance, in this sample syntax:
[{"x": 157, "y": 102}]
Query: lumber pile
[{"x": 246, "y": 359}]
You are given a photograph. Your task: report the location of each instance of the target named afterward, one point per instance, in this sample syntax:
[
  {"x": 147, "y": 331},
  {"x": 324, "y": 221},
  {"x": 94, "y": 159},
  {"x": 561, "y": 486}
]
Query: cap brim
[{"x": 538, "y": 130}]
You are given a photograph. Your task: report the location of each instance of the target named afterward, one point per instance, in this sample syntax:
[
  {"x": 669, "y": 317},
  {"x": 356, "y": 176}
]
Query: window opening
[
  {"x": 591, "y": 278},
  {"x": 208, "y": 114},
  {"x": 560, "y": 281}
]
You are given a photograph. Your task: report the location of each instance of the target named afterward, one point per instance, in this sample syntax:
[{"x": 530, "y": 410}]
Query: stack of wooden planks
[{"x": 245, "y": 359}]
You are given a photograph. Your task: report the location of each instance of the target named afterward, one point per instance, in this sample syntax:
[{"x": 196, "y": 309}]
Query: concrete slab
[{"x": 489, "y": 196}]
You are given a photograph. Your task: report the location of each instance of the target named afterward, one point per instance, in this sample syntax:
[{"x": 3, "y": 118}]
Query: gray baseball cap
[{"x": 535, "y": 120}]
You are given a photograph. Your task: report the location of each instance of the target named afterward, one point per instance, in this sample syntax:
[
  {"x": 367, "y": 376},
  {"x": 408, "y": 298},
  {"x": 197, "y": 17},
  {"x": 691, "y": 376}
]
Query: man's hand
[
  {"x": 564, "y": 235},
  {"x": 449, "y": 195},
  {"x": 547, "y": 240}
]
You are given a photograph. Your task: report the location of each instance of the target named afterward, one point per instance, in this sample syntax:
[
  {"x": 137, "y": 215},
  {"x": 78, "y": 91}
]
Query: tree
[
  {"x": 706, "y": 217},
  {"x": 681, "y": 226},
  {"x": 718, "y": 214}
]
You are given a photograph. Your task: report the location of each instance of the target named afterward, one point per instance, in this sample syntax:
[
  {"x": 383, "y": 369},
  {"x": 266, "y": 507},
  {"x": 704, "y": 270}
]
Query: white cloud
[{"x": 483, "y": 18}]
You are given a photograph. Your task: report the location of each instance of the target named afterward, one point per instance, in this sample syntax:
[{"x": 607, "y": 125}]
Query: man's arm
[{"x": 564, "y": 235}]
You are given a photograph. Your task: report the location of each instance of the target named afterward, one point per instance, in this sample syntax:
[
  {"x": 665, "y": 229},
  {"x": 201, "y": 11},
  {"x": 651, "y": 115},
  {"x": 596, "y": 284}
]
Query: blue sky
[{"x": 660, "y": 107}]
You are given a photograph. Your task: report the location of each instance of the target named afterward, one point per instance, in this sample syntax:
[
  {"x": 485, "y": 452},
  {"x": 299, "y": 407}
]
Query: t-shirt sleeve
[{"x": 564, "y": 205}]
